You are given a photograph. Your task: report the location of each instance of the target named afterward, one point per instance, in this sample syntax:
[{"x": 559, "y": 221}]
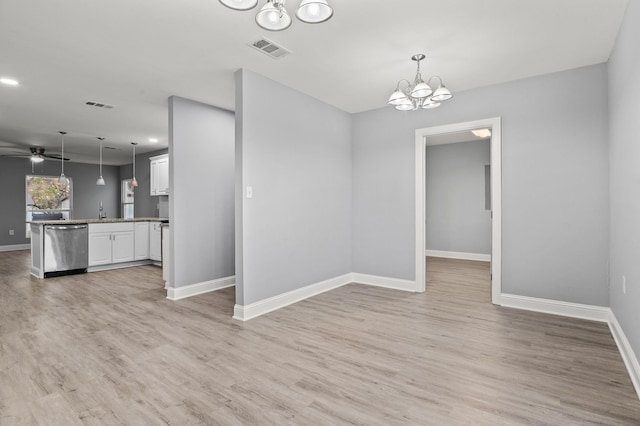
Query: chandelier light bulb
[
  {"x": 429, "y": 103},
  {"x": 273, "y": 16},
  {"x": 314, "y": 11},
  {"x": 421, "y": 90},
  {"x": 397, "y": 97},
  {"x": 441, "y": 94}
]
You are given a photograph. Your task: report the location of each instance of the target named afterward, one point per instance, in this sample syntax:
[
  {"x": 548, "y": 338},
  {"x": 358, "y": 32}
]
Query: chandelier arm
[
  {"x": 435, "y": 76},
  {"x": 406, "y": 81}
]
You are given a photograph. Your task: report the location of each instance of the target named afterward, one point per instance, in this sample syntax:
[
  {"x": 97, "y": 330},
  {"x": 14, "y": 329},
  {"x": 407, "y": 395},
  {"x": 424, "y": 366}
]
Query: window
[
  {"x": 127, "y": 199},
  {"x": 47, "y": 200}
]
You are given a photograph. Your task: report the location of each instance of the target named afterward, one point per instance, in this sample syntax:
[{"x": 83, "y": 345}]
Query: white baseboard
[
  {"x": 16, "y": 247},
  {"x": 110, "y": 266},
  {"x": 555, "y": 307},
  {"x": 588, "y": 312},
  {"x": 177, "y": 293},
  {"x": 261, "y": 307},
  {"x": 458, "y": 255},
  {"x": 393, "y": 283},
  {"x": 628, "y": 356}
]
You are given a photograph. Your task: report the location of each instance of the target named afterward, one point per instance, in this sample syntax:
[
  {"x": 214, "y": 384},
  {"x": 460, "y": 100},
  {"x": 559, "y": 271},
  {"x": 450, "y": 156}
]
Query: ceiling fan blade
[
  {"x": 54, "y": 157},
  {"x": 16, "y": 155}
]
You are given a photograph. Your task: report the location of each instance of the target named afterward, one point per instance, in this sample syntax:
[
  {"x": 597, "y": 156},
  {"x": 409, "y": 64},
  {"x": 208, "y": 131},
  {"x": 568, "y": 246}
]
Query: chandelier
[
  {"x": 274, "y": 17},
  {"x": 419, "y": 94}
]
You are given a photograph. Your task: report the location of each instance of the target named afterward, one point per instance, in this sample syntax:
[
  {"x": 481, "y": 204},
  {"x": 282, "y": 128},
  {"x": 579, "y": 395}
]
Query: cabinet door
[
  {"x": 122, "y": 246},
  {"x": 163, "y": 176},
  {"x": 155, "y": 237},
  {"x": 142, "y": 240},
  {"x": 153, "y": 177},
  {"x": 165, "y": 254},
  {"x": 99, "y": 248}
]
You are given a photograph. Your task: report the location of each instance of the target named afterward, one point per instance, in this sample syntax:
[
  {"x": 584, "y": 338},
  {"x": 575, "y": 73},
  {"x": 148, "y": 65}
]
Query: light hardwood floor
[{"x": 108, "y": 348}]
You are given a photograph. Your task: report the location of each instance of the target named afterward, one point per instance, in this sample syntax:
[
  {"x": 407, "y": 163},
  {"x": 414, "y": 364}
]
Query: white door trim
[{"x": 496, "y": 198}]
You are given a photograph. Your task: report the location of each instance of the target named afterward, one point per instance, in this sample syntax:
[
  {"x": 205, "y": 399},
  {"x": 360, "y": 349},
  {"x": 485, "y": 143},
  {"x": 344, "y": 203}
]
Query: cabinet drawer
[{"x": 110, "y": 227}]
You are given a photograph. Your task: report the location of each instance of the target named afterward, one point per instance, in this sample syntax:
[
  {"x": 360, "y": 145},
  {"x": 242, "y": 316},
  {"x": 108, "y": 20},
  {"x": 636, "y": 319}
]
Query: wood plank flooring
[{"x": 108, "y": 348}]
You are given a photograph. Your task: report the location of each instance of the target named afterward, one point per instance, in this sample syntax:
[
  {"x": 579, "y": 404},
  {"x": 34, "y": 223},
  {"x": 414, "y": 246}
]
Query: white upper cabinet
[{"x": 160, "y": 175}]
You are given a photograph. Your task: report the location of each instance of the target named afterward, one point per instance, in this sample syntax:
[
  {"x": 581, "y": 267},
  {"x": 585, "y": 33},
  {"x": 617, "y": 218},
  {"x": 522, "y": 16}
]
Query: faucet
[{"x": 101, "y": 214}]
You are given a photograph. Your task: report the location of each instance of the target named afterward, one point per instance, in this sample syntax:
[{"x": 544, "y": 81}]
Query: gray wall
[
  {"x": 201, "y": 181},
  {"x": 144, "y": 204},
  {"x": 624, "y": 111},
  {"x": 295, "y": 152},
  {"x": 455, "y": 197},
  {"x": 86, "y": 194},
  {"x": 554, "y": 183}
]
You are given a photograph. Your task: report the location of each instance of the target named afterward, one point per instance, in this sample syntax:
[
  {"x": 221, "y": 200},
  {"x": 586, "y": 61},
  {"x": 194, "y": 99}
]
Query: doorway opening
[{"x": 495, "y": 171}]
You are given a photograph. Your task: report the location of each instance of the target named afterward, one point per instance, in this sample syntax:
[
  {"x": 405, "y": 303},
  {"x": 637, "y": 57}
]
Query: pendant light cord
[{"x": 62, "y": 160}]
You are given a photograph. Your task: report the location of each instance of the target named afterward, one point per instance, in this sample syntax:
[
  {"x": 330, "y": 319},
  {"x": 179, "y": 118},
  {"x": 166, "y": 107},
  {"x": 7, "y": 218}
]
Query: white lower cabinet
[
  {"x": 142, "y": 240},
  {"x": 99, "y": 248},
  {"x": 111, "y": 243},
  {"x": 155, "y": 241}
]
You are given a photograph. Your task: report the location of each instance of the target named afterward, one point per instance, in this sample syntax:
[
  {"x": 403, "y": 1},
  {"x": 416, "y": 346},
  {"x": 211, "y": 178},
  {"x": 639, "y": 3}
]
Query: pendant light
[
  {"x": 62, "y": 180},
  {"x": 134, "y": 182},
  {"x": 100, "y": 180}
]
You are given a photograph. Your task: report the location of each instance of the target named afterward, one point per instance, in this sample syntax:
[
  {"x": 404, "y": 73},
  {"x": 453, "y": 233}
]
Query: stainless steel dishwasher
[{"x": 65, "y": 249}]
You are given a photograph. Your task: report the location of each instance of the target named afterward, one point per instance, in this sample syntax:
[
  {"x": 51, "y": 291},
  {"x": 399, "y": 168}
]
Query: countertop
[{"x": 105, "y": 220}]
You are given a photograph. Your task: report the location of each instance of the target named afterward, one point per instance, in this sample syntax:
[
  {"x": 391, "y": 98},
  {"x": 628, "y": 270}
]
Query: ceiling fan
[{"x": 38, "y": 155}]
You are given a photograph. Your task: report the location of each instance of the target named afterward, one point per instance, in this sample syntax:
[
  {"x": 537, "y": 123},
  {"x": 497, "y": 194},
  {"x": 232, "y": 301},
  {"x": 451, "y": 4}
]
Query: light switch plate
[{"x": 249, "y": 192}]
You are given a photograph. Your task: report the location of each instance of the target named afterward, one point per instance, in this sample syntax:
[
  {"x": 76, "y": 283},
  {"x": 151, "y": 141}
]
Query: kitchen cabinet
[
  {"x": 141, "y": 240},
  {"x": 159, "y": 173},
  {"x": 111, "y": 243},
  {"x": 155, "y": 241},
  {"x": 166, "y": 273}
]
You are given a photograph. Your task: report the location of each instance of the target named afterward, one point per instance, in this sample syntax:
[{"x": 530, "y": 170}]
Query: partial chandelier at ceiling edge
[
  {"x": 419, "y": 94},
  {"x": 274, "y": 16}
]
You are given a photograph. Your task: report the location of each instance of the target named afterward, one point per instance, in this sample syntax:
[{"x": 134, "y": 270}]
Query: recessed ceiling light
[
  {"x": 153, "y": 140},
  {"x": 482, "y": 133},
  {"x": 9, "y": 81}
]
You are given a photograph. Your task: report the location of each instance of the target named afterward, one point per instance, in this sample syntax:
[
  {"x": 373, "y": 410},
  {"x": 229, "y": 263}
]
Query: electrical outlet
[
  {"x": 11, "y": 232},
  {"x": 624, "y": 285}
]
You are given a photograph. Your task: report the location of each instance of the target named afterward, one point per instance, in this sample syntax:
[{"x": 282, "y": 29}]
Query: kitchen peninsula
[{"x": 60, "y": 247}]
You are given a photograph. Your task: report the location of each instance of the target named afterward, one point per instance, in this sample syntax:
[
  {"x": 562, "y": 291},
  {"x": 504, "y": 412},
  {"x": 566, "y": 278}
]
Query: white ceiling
[{"x": 135, "y": 54}]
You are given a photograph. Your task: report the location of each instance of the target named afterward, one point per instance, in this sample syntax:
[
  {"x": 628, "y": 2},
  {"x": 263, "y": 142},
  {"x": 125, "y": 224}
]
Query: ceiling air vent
[
  {"x": 99, "y": 104},
  {"x": 268, "y": 47}
]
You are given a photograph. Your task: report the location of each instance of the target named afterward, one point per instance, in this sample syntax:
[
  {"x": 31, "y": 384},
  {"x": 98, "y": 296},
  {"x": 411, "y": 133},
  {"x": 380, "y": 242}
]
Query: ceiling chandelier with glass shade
[
  {"x": 419, "y": 94},
  {"x": 274, "y": 16}
]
